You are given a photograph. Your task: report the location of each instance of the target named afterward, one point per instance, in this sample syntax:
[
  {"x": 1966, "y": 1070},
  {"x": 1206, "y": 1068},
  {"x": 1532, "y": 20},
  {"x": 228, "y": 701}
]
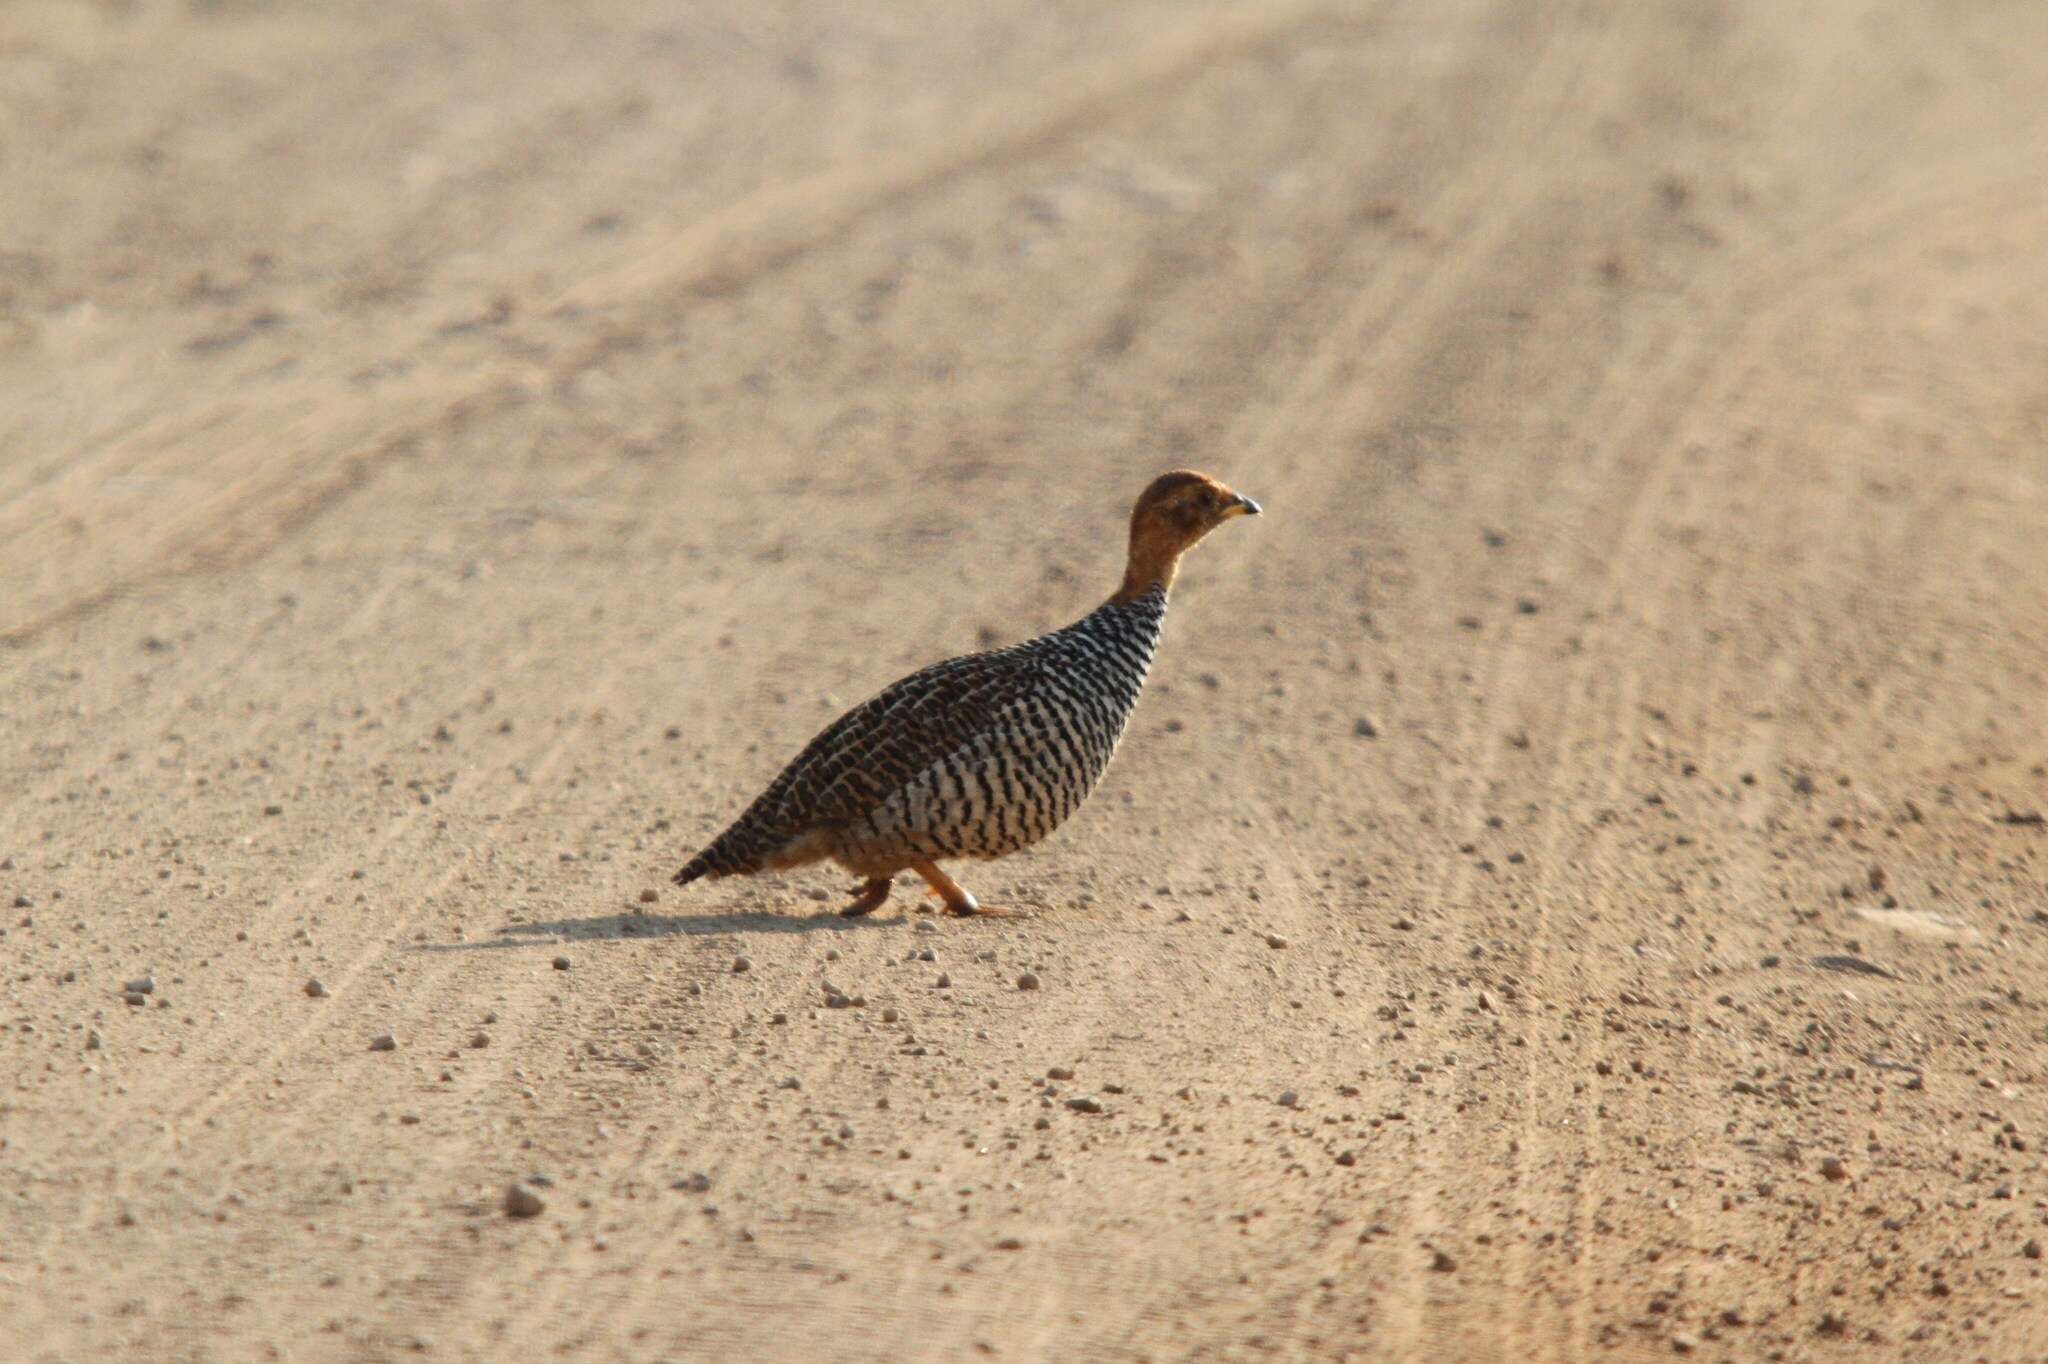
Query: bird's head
[{"x": 1173, "y": 512}]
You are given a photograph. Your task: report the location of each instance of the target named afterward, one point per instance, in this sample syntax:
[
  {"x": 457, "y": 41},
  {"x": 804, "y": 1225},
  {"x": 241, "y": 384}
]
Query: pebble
[
  {"x": 1060, "y": 1073},
  {"x": 315, "y": 990},
  {"x": 134, "y": 999},
  {"x": 92, "y": 1043},
  {"x": 944, "y": 981},
  {"x": 926, "y": 926},
  {"x": 383, "y": 1041},
  {"x": 561, "y": 963},
  {"x": 1010, "y": 1243},
  {"x": 1085, "y": 1103},
  {"x": 1289, "y": 1099},
  {"x": 1028, "y": 981},
  {"x": 521, "y": 1201},
  {"x": 741, "y": 964},
  {"x": 2032, "y": 1249},
  {"x": 1685, "y": 1342},
  {"x": 479, "y": 1040},
  {"x": 648, "y": 897},
  {"x": 1365, "y": 728},
  {"x": 1834, "y": 1169},
  {"x": 141, "y": 985},
  {"x": 1441, "y": 1263},
  {"x": 1274, "y": 940},
  {"x": 890, "y": 1015}
]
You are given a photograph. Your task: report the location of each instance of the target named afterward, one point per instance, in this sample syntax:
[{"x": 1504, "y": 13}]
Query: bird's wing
[{"x": 877, "y": 747}]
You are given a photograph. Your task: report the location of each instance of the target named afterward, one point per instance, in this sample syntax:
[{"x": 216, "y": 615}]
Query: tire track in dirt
[
  {"x": 1381, "y": 335},
  {"x": 269, "y": 467},
  {"x": 1738, "y": 350},
  {"x": 251, "y": 1047}
]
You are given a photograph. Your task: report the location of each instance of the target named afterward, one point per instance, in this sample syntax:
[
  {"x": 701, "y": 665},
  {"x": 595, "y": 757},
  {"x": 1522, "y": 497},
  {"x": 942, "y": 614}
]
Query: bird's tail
[{"x": 724, "y": 857}]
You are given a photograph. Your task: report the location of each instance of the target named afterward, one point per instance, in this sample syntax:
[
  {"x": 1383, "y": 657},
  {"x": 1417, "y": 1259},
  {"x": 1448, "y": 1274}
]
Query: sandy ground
[{"x": 453, "y": 454}]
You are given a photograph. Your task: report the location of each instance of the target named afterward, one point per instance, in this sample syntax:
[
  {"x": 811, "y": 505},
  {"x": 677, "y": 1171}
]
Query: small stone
[
  {"x": 1288, "y": 1099},
  {"x": 648, "y": 897},
  {"x": 315, "y": 990},
  {"x": 1347, "y": 1158},
  {"x": 1010, "y": 1243},
  {"x": 1404, "y": 924},
  {"x": 1060, "y": 1073},
  {"x": 926, "y": 926},
  {"x": 890, "y": 1015},
  {"x": 1028, "y": 981},
  {"x": 1365, "y": 728},
  {"x": 141, "y": 985},
  {"x": 134, "y": 999},
  {"x": 1085, "y": 1103},
  {"x": 2032, "y": 1249},
  {"x": 1685, "y": 1342},
  {"x": 273, "y": 809},
  {"x": 521, "y": 1201},
  {"x": 92, "y": 1043},
  {"x": 1275, "y": 941},
  {"x": 383, "y": 1041},
  {"x": 1834, "y": 1169},
  {"x": 561, "y": 963},
  {"x": 741, "y": 965},
  {"x": 944, "y": 982},
  {"x": 1441, "y": 1263},
  {"x": 693, "y": 1183},
  {"x": 479, "y": 1039}
]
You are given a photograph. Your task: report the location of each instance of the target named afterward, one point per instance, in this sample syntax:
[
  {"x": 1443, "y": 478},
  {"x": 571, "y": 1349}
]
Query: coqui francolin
[{"x": 980, "y": 755}]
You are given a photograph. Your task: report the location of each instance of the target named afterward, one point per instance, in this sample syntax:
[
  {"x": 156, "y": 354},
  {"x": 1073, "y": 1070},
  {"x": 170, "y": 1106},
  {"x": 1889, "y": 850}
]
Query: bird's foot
[
  {"x": 960, "y": 901},
  {"x": 873, "y": 892}
]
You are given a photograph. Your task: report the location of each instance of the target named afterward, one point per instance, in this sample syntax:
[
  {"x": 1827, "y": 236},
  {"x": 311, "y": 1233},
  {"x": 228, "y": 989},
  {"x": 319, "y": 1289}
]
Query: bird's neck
[{"x": 1153, "y": 563}]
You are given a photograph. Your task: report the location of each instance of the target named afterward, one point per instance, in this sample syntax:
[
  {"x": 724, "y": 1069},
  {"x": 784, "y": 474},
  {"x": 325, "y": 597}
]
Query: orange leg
[
  {"x": 873, "y": 892},
  {"x": 958, "y": 900}
]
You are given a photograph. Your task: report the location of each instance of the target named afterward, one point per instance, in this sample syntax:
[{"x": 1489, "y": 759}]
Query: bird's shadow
[{"x": 628, "y": 927}]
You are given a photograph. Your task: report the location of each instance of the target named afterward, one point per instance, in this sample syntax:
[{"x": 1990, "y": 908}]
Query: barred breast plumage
[{"x": 981, "y": 755}]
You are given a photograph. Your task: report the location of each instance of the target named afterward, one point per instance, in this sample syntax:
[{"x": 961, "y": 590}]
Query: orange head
[{"x": 1175, "y": 511}]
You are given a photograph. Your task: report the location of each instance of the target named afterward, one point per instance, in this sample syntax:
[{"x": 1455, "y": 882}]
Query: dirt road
[{"x": 1574, "y": 888}]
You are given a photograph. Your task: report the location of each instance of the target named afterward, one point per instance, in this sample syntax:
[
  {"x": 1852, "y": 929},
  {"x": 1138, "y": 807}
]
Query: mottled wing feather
[{"x": 861, "y": 758}]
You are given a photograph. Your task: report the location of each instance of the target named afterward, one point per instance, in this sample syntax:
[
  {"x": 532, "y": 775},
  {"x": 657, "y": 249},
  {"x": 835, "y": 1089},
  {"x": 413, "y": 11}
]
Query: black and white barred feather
[{"x": 977, "y": 756}]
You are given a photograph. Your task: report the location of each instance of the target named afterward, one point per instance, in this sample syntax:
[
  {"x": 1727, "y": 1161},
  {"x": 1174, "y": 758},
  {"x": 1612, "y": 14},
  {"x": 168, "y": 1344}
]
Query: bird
[{"x": 982, "y": 755}]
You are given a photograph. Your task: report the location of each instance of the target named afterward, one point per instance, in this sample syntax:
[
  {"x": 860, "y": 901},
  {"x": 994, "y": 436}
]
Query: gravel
[{"x": 521, "y": 1201}]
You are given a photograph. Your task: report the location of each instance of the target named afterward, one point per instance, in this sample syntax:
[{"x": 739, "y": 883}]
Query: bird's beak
[{"x": 1243, "y": 506}]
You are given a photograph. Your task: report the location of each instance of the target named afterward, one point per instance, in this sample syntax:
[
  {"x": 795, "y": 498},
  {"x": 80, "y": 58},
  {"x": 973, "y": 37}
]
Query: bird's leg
[
  {"x": 958, "y": 899},
  {"x": 873, "y": 892}
]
